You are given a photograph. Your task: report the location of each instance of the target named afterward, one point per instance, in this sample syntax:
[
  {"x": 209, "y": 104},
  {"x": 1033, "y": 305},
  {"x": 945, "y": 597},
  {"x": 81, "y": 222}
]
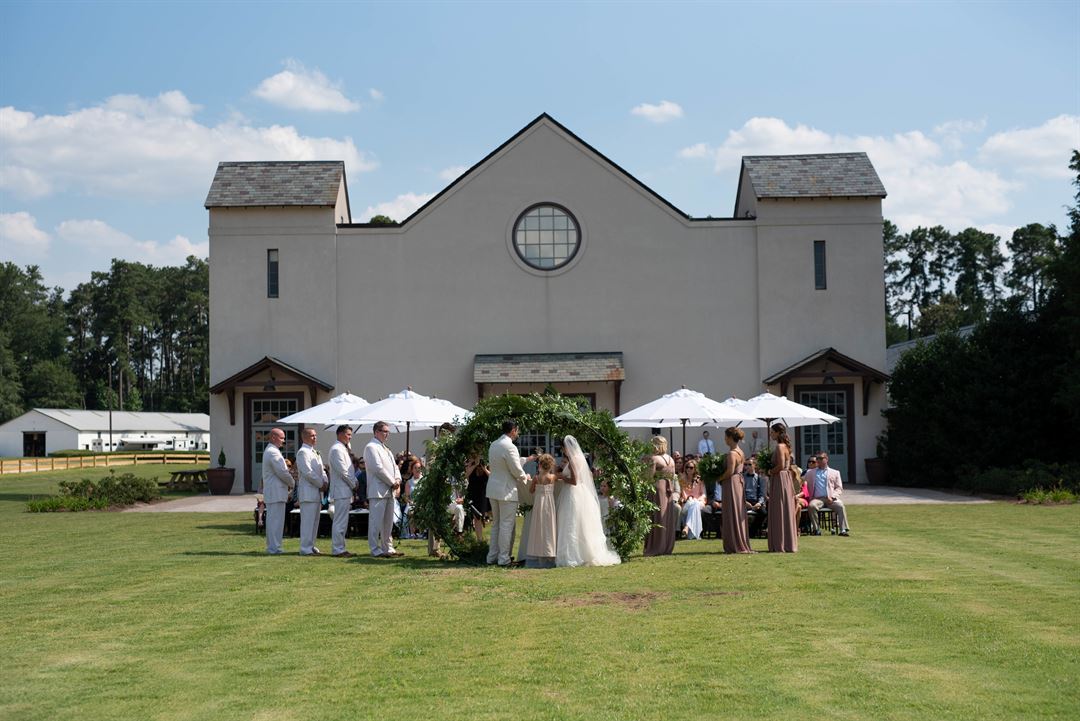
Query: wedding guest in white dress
[
  {"x": 692, "y": 499},
  {"x": 580, "y": 533}
]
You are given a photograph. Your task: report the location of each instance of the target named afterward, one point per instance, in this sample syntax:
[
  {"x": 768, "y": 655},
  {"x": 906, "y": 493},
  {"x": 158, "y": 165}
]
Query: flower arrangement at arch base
[{"x": 613, "y": 451}]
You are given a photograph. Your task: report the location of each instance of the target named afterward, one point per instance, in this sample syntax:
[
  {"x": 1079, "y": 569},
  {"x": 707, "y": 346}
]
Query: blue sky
[{"x": 114, "y": 115}]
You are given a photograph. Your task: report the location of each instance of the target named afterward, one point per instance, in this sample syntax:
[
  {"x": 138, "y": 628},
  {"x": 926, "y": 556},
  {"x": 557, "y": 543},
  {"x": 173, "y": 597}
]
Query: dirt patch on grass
[{"x": 633, "y": 601}]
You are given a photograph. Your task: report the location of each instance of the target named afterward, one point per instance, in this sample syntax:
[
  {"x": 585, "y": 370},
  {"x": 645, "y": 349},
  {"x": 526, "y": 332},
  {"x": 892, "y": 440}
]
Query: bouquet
[
  {"x": 764, "y": 459},
  {"x": 712, "y": 466}
]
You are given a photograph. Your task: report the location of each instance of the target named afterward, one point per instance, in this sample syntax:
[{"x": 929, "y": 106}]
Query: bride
[{"x": 580, "y": 537}]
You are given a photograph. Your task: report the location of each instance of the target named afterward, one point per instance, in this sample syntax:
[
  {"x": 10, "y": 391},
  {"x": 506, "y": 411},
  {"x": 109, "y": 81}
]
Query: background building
[
  {"x": 547, "y": 264},
  {"x": 41, "y": 431}
]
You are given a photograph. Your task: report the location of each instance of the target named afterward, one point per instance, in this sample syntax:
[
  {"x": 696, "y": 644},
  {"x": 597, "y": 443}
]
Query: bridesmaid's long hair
[{"x": 781, "y": 434}]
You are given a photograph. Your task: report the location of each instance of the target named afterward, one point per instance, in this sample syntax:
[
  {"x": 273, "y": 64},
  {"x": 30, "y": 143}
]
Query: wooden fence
[{"x": 30, "y": 465}]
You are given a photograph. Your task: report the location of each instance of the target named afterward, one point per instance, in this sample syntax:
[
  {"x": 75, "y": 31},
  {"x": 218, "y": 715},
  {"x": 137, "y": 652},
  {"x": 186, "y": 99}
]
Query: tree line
[
  {"x": 936, "y": 280},
  {"x": 136, "y": 337},
  {"x": 993, "y": 410}
]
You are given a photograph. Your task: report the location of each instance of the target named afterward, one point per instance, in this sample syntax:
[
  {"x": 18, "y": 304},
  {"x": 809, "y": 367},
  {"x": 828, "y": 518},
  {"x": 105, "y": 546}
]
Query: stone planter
[
  {"x": 220, "y": 480},
  {"x": 877, "y": 473}
]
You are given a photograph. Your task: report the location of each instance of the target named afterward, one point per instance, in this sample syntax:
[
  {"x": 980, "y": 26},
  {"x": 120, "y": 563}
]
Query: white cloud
[
  {"x": 399, "y": 208},
  {"x": 298, "y": 88},
  {"x": 1043, "y": 151},
  {"x": 453, "y": 172},
  {"x": 130, "y": 145},
  {"x": 698, "y": 150},
  {"x": 97, "y": 236},
  {"x": 951, "y": 132},
  {"x": 20, "y": 234},
  {"x": 661, "y": 113},
  {"x": 923, "y": 189},
  {"x": 376, "y": 95}
]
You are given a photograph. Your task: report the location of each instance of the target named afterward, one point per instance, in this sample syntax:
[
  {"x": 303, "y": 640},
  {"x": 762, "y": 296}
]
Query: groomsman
[
  {"x": 383, "y": 477},
  {"x": 342, "y": 485},
  {"x": 276, "y": 484},
  {"x": 312, "y": 484}
]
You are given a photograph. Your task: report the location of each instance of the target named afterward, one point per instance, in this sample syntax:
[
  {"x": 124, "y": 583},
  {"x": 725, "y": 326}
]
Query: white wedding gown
[{"x": 580, "y": 539}]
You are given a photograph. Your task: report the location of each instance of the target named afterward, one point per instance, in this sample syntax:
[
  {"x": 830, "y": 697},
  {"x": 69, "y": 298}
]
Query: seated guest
[
  {"x": 456, "y": 509},
  {"x": 677, "y": 457},
  {"x": 408, "y": 524},
  {"x": 693, "y": 501},
  {"x": 754, "y": 497},
  {"x": 825, "y": 489},
  {"x": 360, "y": 494}
]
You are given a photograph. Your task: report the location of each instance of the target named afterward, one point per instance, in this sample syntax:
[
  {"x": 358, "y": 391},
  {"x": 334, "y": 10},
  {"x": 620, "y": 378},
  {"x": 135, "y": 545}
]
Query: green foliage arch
[{"x": 612, "y": 449}]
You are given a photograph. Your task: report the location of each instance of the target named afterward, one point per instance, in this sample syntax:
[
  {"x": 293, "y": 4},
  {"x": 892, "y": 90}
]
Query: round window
[{"x": 546, "y": 236}]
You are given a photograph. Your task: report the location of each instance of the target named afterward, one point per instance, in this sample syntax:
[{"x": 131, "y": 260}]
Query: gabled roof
[
  {"x": 830, "y": 175},
  {"x": 270, "y": 363},
  {"x": 829, "y": 355},
  {"x": 312, "y": 183},
  {"x": 548, "y": 367},
  {"x": 542, "y": 118},
  {"x": 82, "y": 420}
]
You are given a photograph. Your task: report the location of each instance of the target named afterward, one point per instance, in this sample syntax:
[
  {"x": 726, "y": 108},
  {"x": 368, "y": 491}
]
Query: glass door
[
  {"x": 265, "y": 413},
  {"x": 831, "y": 438}
]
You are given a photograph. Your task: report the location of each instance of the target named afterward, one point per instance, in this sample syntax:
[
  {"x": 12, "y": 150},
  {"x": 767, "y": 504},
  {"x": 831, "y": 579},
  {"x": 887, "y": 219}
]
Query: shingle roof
[
  {"x": 831, "y": 175},
  {"x": 261, "y": 184},
  {"x": 548, "y": 367}
]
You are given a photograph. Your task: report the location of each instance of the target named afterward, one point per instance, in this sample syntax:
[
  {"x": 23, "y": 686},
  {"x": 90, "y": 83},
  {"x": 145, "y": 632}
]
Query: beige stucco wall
[{"x": 373, "y": 310}]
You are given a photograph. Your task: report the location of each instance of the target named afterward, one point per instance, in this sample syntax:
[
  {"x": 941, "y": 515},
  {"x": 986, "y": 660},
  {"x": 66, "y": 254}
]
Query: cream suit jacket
[
  {"x": 276, "y": 481},
  {"x": 312, "y": 475},
  {"x": 342, "y": 472},
  {"x": 382, "y": 472},
  {"x": 506, "y": 471}
]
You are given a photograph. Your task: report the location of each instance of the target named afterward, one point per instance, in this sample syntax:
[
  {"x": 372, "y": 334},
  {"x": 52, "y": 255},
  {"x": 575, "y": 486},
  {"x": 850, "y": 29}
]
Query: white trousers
[
  {"x": 503, "y": 518},
  {"x": 341, "y": 523},
  {"x": 275, "y": 526},
  {"x": 458, "y": 512},
  {"x": 380, "y": 524},
  {"x": 309, "y": 526}
]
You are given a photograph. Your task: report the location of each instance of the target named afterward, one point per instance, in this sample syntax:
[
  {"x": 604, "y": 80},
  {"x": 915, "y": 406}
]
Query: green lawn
[{"x": 926, "y": 612}]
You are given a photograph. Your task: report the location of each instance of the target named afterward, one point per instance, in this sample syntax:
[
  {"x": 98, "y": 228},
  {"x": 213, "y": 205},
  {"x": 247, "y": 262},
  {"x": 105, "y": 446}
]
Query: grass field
[{"x": 926, "y": 612}]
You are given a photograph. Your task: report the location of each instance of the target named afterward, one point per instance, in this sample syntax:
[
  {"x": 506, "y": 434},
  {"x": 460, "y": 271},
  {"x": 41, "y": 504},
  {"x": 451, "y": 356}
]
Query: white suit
[
  {"x": 502, "y": 488},
  {"x": 382, "y": 474},
  {"x": 342, "y": 485},
  {"x": 276, "y": 484},
  {"x": 312, "y": 477}
]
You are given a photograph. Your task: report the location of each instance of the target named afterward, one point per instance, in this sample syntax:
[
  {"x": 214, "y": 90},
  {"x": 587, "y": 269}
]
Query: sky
[{"x": 113, "y": 116}]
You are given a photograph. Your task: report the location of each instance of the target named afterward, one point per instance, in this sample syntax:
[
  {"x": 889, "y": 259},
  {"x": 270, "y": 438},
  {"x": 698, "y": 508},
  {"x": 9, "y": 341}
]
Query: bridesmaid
[
  {"x": 661, "y": 538},
  {"x": 733, "y": 519},
  {"x": 783, "y": 511}
]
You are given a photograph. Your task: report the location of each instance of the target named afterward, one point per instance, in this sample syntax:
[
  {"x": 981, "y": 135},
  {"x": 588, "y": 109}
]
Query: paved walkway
[{"x": 853, "y": 496}]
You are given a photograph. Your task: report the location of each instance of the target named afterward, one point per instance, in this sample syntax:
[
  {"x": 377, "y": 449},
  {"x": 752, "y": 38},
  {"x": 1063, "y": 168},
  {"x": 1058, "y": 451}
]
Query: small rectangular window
[
  {"x": 819, "y": 265},
  {"x": 272, "y": 274}
]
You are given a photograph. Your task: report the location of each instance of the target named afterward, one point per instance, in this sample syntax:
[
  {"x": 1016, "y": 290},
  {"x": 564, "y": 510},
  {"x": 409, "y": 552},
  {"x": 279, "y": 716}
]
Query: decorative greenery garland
[{"x": 616, "y": 453}]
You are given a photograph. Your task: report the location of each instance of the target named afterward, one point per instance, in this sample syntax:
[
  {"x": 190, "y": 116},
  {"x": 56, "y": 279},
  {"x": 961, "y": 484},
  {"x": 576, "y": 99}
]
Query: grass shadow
[{"x": 247, "y": 528}]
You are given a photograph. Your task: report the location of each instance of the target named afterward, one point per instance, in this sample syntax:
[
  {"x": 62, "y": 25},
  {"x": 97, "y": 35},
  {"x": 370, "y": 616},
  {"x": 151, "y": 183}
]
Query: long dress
[
  {"x": 580, "y": 539},
  {"x": 542, "y": 528},
  {"x": 783, "y": 510},
  {"x": 733, "y": 520},
  {"x": 691, "y": 511},
  {"x": 661, "y": 538}
]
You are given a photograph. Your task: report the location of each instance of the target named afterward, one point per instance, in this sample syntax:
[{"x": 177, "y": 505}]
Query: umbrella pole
[
  {"x": 684, "y": 438},
  {"x": 407, "y": 424}
]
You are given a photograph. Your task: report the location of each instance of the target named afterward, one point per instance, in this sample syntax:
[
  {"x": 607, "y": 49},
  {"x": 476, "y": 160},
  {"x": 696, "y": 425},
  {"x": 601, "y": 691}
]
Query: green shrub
[
  {"x": 1039, "y": 496},
  {"x": 124, "y": 489}
]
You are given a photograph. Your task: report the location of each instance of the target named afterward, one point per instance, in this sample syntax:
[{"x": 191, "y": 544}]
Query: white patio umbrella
[
  {"x": 681, "y": 408},
  {"x": 327, "y": 411},
  {"x": 772, "y": 408},
  {"x": 407, "y": 408}
]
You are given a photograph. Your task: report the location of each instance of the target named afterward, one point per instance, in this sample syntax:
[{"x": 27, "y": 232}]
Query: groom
[{"x": 502, "y": 489}]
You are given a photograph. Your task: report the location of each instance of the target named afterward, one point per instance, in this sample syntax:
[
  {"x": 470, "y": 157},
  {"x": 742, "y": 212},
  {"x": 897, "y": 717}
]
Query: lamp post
[{"x": 110, "y": 408}]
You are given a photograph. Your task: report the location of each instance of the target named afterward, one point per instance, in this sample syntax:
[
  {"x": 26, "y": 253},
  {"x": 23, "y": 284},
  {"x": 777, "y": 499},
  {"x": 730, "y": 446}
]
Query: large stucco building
[{"x": 547, "y": 263}]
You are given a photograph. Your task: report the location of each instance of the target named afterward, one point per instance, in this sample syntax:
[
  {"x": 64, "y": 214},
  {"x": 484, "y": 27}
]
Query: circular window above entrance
[{"x": 546, "y": 236}]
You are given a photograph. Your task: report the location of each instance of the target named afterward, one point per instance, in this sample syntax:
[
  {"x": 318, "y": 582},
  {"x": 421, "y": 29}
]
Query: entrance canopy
[
  {"x": 497, "y": 373},
  {"x": 281, "y": 373},
  {"x": 825, "y": 366}
]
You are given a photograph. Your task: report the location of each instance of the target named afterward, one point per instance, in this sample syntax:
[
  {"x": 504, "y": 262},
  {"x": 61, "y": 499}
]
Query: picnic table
[{"x": 186, "y": 480}]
